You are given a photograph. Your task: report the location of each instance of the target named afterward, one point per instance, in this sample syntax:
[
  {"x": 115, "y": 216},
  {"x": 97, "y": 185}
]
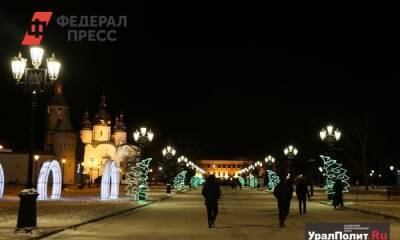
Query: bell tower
[{"x": 57, "y": 112}]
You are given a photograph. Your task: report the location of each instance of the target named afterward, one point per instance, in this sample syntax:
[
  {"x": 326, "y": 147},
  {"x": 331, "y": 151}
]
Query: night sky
[{"x": 221, "y": 81}]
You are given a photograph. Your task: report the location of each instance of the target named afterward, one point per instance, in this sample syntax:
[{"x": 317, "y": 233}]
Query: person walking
[
  {"x": 302, "y": 193},
  {"x": 283, "y": 193},
  {"x": 338, "y": 197},
  {"x": 211, "y": 192}
]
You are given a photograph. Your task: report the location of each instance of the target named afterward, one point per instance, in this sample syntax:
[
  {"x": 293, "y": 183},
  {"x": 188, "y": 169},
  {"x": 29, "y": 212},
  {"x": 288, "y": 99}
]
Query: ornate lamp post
[
  {"x": 330, "y": 136},
  {"x": 290, "y": 152},
  {"x": 143, "y": 136},
  {"x": 270, "y": 161},
  {"x": 36, "y": 157},
  {"x": 92, "y": 160},
  {"x": 183, "y": 160},
  {"x": 63, "y": 161},
  {"x": 168, "y": 152},
  {"x": 35, "y": 81}
]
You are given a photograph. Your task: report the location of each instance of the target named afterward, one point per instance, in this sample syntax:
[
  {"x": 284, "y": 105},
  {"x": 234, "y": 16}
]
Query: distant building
[
  {"x": 15, "y": 165},
  {"x": 102, "y": 144},
  {"x": 224, "y": 168}
]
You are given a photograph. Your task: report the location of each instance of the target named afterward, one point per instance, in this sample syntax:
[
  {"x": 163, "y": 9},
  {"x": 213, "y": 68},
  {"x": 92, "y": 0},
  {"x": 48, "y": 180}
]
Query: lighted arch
[
  {"x": 55, "y": 169},
  {"x": 1, "y": 181},
  {"x": 110, "y": 176}
]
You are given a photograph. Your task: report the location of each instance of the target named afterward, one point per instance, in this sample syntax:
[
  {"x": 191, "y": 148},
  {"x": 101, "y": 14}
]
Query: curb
[
  {"x": 367, "y": 212},
  {"x": 48, "y": 234}
]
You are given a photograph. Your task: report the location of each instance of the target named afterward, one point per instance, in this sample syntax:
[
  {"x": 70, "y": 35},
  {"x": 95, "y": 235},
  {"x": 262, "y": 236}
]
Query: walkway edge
[
  {"x": 48, "y": 234},
  {"x": 367, "y": 212}
]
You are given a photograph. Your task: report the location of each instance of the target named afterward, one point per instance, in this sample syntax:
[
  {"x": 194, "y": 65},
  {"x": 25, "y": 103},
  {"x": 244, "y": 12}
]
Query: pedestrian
[
  {"x": 338, "y": 190},
  {"x": 302, "y": 193},
  {"x": 211, "y": 192},
  {"x": 283, "y": 194}
]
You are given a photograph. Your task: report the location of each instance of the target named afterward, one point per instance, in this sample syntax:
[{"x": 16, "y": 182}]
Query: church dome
[{"x": 102, "y": 117}]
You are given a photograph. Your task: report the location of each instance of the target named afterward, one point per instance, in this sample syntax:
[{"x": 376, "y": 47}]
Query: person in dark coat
[
  {"x": 283, "y": 194},
  {"x": 338, "y": 197},
  {"x": 211, "y": 192},
  {"x": 289, "y": 182},
  {"x": 302, "y": 193}
]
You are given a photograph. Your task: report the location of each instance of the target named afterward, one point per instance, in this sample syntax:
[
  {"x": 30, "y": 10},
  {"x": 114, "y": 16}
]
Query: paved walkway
[{"x": 243, "y": 215}]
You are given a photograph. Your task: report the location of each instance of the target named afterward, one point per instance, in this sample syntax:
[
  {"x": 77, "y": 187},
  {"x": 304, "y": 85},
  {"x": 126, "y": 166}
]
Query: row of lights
[
  {"x": 143, "y": 136},
  {"x": 328, "y": 135}
]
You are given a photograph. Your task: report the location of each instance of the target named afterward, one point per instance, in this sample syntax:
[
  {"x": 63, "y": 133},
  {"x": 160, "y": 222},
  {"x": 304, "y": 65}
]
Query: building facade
[
  {"x": 104, "y": 140},
  {"x": 224, "y": 168},
  {"x": 15, "y": 165},
  {"x": 60, "y": 137}
]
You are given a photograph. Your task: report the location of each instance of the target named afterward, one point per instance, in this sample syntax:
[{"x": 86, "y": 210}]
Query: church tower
[
  {"x": 61, "y": 137},
  {"x": 57, "y": 111}
]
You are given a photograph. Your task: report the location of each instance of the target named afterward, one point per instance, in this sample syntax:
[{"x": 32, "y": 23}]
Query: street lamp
[
  {"x": 330, "y": 136},
  {"x": 168, "y": 152},
  {"x": 63, "y": 167},
  {"x": 270, "y": 161},
  {"x": 391, "y": 168},
  {"x": 182, "y": 159},
  {"x": 143, "y": 136},
  {"x": 92, "y": 160},
  {"x": 290, "y": 152},
  {"x": 36, "y": 157},
  {"x": 34, "y": 81}
]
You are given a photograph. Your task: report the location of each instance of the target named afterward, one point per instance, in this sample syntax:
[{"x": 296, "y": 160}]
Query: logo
[
  {"x": 339, "y": 231},
  {"x": 34, "y": 34}
]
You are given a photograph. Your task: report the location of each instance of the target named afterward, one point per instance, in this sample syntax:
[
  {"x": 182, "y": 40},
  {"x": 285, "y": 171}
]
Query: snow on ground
[
  {"x": 75, "y": 207},
  {"x": 375, "y": 201},
  {"x": 244, "y": 214}
]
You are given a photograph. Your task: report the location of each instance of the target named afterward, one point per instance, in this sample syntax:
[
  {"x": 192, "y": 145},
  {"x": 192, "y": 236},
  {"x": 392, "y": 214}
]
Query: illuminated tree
[
  {"x": 133, "y": 181},
  {"x": 252, "y": 181},
  {"x": 333, "y": 171},
  {"x": 273, "y": 179},
  {"x": 137, "y": 188},
  {"x": 196, "y": 181},
  {"x": 179, "y": 181},
  {"x": 241, "y": 181}
]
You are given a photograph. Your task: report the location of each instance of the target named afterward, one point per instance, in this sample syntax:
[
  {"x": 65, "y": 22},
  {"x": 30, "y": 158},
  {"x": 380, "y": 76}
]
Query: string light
[
  {"x": 55, "y": 169},
  {"x": 1, "y": 181},
  {"x": 273, "y": 179},
  {"x": 179, "y": 181},
  {"x": 333, "y": 171}
]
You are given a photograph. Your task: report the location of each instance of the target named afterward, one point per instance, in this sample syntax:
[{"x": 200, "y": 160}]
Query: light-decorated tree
[
  {"x": 137, "y": 186},
  {"x": 144, "y": 174},
  {"x": 179, "y": 181},
  {"x": 273, "y": 179},
  {"x": 241, "y": 181},
  {"x": 196, "y": 181},
  {"x": 133, "y": 182},
  {"x": 252, "y": 181},
  {"x": 333, "y": 171}
]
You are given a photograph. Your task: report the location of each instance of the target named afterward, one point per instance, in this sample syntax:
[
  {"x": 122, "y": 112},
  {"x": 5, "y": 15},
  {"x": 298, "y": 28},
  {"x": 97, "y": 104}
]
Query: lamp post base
[{"x": 27, "y": 209}]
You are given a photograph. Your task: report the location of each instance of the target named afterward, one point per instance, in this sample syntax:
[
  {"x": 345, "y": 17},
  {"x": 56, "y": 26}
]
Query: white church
[{"x": 105, "y": 141}]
